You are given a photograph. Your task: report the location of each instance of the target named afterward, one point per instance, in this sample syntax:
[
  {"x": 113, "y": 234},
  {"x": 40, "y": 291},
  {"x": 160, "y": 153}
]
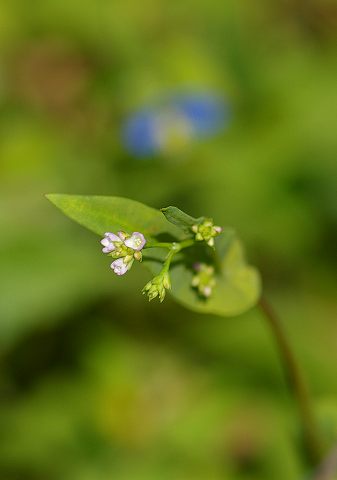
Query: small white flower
[
  {"x": 120, "y": 267},
  {"x": 108, "y": 242},
  {"x": 124, "y": 249},
  {"x": 136, "y": 241},
  {"x": 207, "y": 290},
  {"x": 204, "y": 280},
  {"x": 112, "y": 237}
]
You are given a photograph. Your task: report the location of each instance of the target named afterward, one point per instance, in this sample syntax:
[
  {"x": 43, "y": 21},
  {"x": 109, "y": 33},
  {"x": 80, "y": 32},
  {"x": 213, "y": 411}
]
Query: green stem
[
  {"x": 296, "y": 382},
  {"x": 168, "y": 260},
  {"x": 176, "y": 246},
  {"x": 186, "y": 243},
  {"x": 158, "y": 245}
]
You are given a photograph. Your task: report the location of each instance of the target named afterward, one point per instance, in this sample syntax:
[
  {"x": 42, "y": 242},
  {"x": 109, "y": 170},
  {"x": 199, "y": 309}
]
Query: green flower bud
[
  {"x": 157, "y": 286},
  {"x": 204, "y": 280},
  {"x": 128, "y": 258},
  {"x": 166, "y": 281},
  {"x": 138, "y": 255},
  {"x": 206, "y": 231}
]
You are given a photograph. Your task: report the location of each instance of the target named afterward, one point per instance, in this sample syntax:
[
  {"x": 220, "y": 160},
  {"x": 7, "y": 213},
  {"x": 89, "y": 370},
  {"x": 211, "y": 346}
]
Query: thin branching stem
[
  {"x": 296, "y": 383},
  {"x": 158, "y": 245},
  {"x": 176, "y": 246},
  {"x": 168, "y": 260}
]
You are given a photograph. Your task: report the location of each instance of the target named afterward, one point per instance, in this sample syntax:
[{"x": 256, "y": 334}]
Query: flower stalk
[
  {"x": 158, "y": 285},
  {"x": 297, "y": 384},
  {"x": 176, "y": 246}
]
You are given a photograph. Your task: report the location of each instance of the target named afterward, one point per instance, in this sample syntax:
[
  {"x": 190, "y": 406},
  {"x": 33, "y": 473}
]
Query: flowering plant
[{"x": 200, "y": 263}]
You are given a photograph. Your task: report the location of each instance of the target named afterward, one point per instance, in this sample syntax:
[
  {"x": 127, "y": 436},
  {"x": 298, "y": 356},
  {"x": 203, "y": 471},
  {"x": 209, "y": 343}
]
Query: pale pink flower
[
  {"x": 136, "y": 241},
  {"x": 120, "y": 267},
  {"x": 108, "y": 242}
]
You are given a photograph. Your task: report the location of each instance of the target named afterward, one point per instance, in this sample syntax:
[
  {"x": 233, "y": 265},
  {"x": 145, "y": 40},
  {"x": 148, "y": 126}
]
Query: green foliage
[
  {"x": 102, "y": 214},
  {"x": 237, "y": 288},
  {"x": 154, "y": 391},
  {"x": 181, "y": 219},
  {"x": 237, "y": 284}
]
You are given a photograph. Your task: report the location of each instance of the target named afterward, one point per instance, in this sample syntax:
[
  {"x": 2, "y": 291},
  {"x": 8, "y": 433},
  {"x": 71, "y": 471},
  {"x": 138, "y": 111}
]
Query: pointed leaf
[
  {"x": 103, "y": 214},
  {"x": 181, "y": 219}
]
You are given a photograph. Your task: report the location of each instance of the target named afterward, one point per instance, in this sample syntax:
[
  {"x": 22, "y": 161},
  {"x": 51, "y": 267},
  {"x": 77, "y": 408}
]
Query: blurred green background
[{"x": 96, "y": 383}]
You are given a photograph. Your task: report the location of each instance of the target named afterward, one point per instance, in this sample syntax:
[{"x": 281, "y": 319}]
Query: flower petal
[
  {"x": 119, "y": 267},
  {"x": 122, "y": 236},
  {"x": 105, "y": 242},
  {"x": 207, "y": 291},
  {"x": 112, "y": 237},
  {"x": 136, "y": 241}
]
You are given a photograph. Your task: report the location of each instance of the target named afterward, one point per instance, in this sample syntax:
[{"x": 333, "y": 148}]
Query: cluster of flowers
[
  {"x": 206, "y": 231},
  {"x": 204, "y": 279},
  {"x": 157, "y": 286},
  {"x": 125, "y": 248}
]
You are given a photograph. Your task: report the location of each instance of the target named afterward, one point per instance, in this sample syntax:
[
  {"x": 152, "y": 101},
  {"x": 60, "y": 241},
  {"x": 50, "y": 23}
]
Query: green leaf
[
  {"x": 238, "y": 284},
  {"x": 181, "y": 219},
  {"x": 104, "y": 214}
]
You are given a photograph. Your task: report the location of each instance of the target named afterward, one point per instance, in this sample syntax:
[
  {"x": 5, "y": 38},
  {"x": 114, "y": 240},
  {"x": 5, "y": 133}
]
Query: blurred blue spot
[
  {"x": 207, "y": 113},
  {"x": 139, "y": 134},
  {"x": 175, "y": 122}
]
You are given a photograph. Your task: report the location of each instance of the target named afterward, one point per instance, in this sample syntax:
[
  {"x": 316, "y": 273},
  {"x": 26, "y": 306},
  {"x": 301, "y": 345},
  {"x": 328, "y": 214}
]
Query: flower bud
[
  {"x": 157, "y": 286},
  {"x": 166, "y": 281},
  {"x": 206, "y": 231},
  {"x": 138, "y": 255},
  {"x": 204, "y": 280},
  {"x": 128, "y": 258},
  {"x": 123, "y": 235}
]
